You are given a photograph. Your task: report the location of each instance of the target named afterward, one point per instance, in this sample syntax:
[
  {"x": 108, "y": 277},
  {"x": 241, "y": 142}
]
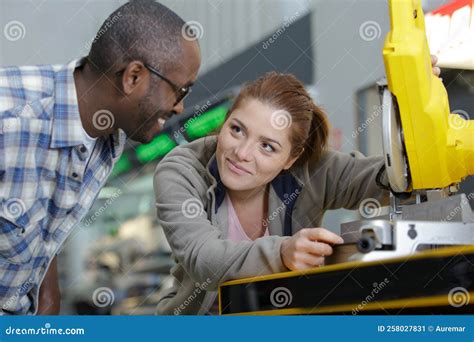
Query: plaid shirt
[{"x": 49, "y": 179}]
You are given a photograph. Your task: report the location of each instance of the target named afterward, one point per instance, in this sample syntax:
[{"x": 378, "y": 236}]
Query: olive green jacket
[{"x": 191, "y": 208}]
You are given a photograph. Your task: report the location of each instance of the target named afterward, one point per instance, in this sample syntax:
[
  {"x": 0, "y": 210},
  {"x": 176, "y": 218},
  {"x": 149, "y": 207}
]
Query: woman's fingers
[
  {"x": 304, "y": 261},
  {"x": 323, "y": 235},
  {"x": 316, "y": 248},
  {"x": 434, "y": 61},
  {"x": 312, "y": 260},
  {"x": 307, "y": 248}
]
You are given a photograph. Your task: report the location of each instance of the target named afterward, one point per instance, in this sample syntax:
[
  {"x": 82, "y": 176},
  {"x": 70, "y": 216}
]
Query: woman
[{"x": 246, "y": 202}]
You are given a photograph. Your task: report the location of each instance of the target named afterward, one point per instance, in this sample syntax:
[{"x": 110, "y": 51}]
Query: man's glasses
[{"x": 181, "y": 92}]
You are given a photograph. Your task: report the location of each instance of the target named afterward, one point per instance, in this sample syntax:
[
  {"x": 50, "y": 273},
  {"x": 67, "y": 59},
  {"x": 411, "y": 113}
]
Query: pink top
[{"x": 236, "y": 232}]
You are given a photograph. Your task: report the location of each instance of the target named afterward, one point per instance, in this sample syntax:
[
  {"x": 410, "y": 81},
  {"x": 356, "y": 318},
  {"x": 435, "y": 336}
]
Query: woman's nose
[{"x": 244, "y": 152}]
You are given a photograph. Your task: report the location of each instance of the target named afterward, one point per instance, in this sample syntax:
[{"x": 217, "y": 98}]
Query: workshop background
[{"x": 117, "y": 260}]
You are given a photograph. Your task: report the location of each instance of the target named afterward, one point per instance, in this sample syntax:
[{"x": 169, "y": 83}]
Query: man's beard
[{"x": 149, "y": 115}]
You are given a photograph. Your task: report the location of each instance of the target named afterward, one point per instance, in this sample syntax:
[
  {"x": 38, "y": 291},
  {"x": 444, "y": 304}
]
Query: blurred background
[{"x": 117, "y": 260}]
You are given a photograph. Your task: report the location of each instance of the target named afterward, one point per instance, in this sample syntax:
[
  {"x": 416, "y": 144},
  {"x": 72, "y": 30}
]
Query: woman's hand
[
  {"x": 307, "y": 248},
  {"x": 436, "y": 70}
]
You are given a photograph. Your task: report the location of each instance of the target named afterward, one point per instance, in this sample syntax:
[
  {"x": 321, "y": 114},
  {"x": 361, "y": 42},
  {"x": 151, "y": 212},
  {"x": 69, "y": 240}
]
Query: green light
[
  {"x": 206, "y": 123},
  {"x": 160, "y": 146},
  {"x": 122, "y": 165}
]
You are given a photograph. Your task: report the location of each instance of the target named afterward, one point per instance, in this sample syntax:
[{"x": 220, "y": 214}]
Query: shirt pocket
[{"x": 20, "y": 230}]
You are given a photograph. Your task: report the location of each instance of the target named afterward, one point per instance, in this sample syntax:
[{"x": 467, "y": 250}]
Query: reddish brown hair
[{"x": 309, "y": 124}]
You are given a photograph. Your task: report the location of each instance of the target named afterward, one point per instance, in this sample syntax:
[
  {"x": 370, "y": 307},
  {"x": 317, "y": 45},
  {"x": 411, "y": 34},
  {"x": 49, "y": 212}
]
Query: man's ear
[{"x": 134, "y": 78}]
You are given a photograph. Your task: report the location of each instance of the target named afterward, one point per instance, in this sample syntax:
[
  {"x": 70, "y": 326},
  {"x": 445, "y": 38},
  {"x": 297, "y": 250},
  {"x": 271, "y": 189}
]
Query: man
[{"x": 62, "y": 128}]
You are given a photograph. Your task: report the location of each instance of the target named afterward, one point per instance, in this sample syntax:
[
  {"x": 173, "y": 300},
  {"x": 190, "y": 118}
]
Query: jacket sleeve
[
  {"x": 348, "y": 179},
  {"x": 180, "y": 196}
]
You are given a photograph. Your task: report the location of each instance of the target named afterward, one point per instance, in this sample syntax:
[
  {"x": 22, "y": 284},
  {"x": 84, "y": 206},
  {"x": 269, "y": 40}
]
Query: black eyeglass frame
[{"x": 181, "y": 92}]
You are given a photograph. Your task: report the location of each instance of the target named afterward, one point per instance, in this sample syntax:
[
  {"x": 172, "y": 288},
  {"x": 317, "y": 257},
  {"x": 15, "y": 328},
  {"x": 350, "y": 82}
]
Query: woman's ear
[{"x": 291, "y": 161}]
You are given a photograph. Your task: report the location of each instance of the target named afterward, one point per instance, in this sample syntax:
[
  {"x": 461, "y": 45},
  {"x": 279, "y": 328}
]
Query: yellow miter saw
[{"x": 428, "y": 151}]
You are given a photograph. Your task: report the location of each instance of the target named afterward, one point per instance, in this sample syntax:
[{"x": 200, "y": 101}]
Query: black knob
[{"x": 366, "y": 244}]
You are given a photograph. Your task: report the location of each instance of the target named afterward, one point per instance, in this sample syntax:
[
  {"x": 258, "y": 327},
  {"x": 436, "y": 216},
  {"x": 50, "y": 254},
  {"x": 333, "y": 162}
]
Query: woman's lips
[{"x": 234, "y": 167}]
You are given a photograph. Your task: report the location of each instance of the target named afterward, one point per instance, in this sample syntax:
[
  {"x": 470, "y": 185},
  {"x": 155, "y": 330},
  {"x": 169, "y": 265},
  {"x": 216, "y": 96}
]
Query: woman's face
[{"x": 253, "y": 147}]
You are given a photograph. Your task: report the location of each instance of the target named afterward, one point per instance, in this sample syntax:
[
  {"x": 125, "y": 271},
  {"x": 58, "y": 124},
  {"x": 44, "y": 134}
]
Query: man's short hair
[{"x": 142, "y": 30}]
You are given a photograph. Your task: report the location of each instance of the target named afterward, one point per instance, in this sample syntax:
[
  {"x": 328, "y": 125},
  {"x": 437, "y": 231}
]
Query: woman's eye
[
  {"x": 235, "y": 129},
  {"x": 268, "y": 147}
]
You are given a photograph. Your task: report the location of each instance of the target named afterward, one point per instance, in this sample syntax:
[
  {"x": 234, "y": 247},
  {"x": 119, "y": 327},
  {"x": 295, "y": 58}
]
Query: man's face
[{"x": 159, "y": 102}]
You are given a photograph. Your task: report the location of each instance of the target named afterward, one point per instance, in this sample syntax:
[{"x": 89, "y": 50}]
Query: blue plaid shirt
[{"x": 49, "y": 179}]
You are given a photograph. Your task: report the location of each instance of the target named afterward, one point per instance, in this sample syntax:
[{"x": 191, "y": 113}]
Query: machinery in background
[
  {"x": 450, "y": 32},
  {"x": 427, "y": 151},
  {"x": 125, "y": 272},
  {"x": 195, "y": 123}
]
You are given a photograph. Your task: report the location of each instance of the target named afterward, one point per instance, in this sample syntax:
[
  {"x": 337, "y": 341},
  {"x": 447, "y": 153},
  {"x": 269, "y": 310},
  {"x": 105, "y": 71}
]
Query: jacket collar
[{"x": 285, "y": 185}]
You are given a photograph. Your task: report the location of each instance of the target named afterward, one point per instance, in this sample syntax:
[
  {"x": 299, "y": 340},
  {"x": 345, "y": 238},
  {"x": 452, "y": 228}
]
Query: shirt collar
[
  {"x": 66, "y": 125},
  {"x": 67, "y": 129}
]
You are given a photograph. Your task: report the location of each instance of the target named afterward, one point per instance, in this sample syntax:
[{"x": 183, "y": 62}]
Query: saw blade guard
[{"x": 439, "y": 146}]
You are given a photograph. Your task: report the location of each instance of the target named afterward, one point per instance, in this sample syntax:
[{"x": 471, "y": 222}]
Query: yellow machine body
[{"x": 439, "y": 145}]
